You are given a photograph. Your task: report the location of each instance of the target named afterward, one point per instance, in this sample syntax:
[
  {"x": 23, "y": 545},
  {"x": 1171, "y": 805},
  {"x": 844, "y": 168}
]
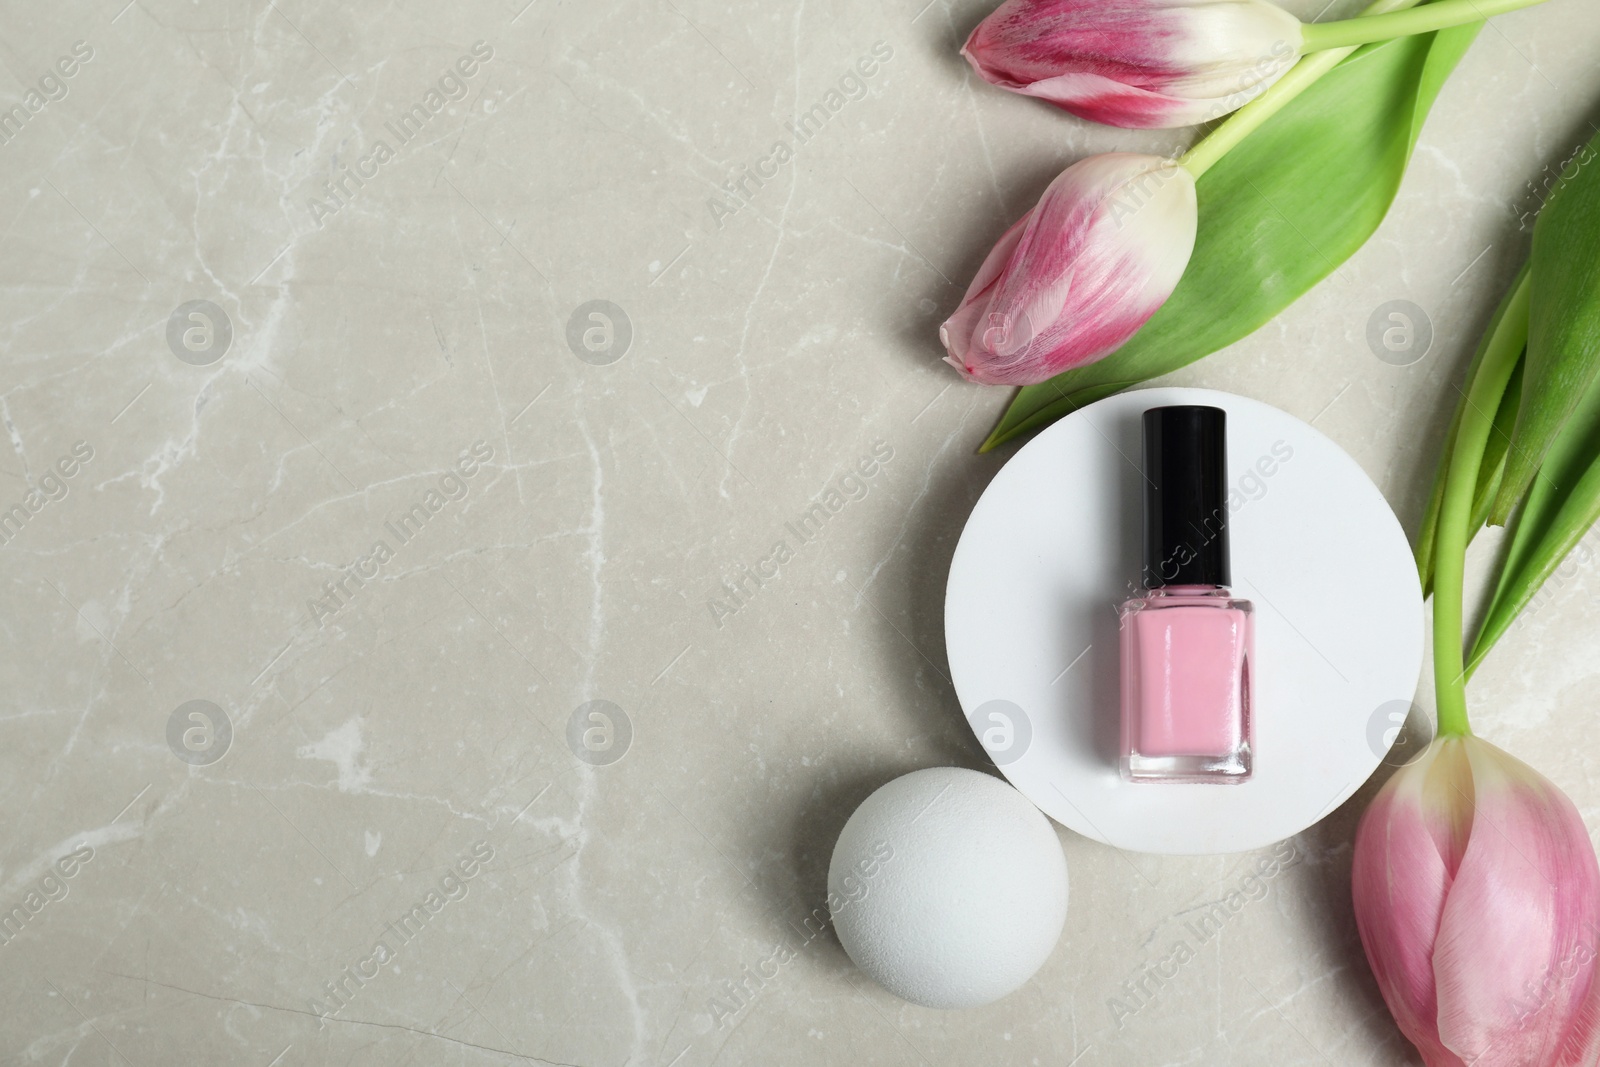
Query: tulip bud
[
  {"x": 1137, "y": 63},
  {"x": 1477, "y": 896},
  {"x": 1079, "y": 274}
]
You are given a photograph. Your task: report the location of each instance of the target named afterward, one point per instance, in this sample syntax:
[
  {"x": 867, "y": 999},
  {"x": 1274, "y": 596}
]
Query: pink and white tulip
[
  {"x": 1137, "y": 63},
  {"x": 1077, "y": 275},
  {"x": 1477, "y": 896}
]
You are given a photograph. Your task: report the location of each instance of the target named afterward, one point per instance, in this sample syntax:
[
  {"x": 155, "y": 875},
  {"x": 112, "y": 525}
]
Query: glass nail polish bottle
[{"x": 1188, "y": 643}]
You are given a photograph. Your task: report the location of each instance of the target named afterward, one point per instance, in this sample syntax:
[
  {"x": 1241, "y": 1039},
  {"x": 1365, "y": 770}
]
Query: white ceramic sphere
[{"x": 948, "y": 887}]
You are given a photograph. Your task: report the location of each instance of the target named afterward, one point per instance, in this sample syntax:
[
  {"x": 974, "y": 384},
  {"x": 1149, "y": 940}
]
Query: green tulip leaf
[
  {"x": 1493, "y": 469},
  {"x": 1278, "y": 213},
  {"x": 1563, "y": 325},
  {"x": 1561, "y": 388},
  {"x": 1508, "y": 328},
  {"x": 1562, "y": 504},
  {"x": 1536, "y": 558}
]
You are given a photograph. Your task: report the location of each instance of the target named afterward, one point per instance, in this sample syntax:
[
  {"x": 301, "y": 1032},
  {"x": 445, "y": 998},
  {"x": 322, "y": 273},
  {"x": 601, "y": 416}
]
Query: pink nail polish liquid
[{"x": 1188, "y": 644}]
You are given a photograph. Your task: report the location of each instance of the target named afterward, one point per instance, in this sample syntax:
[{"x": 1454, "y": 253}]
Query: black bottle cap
[{"x": 1185, "y": 496}]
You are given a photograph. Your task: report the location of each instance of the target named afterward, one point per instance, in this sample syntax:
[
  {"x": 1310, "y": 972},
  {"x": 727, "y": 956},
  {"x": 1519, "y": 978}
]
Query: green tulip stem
[
  {"x": 1436, "y": 16},
  {"x": 1242, "y": 123},
  {"x": 1455, "y": 518}
]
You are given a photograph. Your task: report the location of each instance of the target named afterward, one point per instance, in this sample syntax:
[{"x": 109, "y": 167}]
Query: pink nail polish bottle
[{"x": 1188, "y": 643}]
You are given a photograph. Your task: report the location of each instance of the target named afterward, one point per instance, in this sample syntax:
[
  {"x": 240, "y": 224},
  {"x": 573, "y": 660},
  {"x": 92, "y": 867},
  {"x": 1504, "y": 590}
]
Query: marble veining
[{"x": 553, "y": 775}]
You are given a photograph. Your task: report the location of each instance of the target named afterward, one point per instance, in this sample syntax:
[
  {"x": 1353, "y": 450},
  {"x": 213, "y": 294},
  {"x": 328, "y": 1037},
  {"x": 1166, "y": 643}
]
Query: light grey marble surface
[{"x": 416, "y": 723}]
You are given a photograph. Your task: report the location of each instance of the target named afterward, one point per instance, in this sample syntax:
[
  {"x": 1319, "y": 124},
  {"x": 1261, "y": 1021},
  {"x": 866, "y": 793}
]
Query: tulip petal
[
  {"x": 1400, "y": 881},
  {"x": 1477, "y": 897},
  {"x": 1079, "y": 274},
  {"x": 1136, "y": 63},
  {"x": 1514, "y": 960},
  {"x": 975, "y": 305},
  {"x": 1113, "y": 103}
]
